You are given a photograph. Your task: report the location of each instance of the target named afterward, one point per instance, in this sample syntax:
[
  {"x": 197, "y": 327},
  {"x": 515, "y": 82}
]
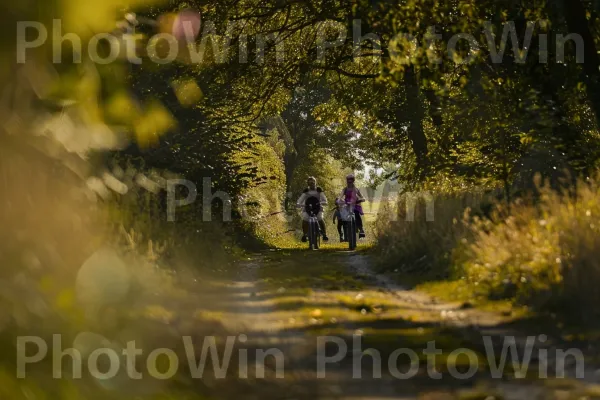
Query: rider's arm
[
  {"x": 359, "y": 196},
  {"x": 323, "y": 199},
  {"x": 301, "y": 200}
]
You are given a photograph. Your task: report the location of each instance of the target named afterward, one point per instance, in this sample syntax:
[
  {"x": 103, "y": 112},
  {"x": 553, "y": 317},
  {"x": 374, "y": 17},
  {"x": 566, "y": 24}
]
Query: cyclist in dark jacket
[{"x": 312, "y": 191}]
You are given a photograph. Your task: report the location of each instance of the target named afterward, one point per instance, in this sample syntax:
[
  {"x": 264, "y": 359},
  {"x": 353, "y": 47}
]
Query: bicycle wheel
[
  {"x": 311, "y": 234},
  {"x": 347, "y": 231},
  {"x": 351, "y": 233}
]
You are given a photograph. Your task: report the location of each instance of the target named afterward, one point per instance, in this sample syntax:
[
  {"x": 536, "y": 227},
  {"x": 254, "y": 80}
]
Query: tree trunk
[
  {"x": 434, "y": 108},
  {"x": 290, "y": 162},
  {"x": 416, "y": 132}
]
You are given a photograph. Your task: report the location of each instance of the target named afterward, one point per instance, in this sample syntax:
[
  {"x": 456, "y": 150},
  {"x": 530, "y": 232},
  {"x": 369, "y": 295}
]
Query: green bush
[
  {"x": 411, "y": 239},
  {"x": 543, "y": 253}
]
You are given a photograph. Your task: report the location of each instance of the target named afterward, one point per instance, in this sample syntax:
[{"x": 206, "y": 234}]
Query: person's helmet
[{"x": 350, "y": 177}]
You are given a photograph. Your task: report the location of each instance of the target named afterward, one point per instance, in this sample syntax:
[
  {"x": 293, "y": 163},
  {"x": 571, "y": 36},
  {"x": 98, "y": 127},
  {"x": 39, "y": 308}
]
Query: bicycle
[
  {"x": 349, "y": 225},
  {"x": 314, "y": 230}
]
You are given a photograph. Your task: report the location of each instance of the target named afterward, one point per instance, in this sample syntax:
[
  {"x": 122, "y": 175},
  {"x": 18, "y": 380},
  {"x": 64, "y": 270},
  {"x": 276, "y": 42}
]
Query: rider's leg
[
  {"x": 359, "y": 223},
  {"x": 322, "y": 226},
  {"x": 323, "y": 230},
  {"x": 304, "y": 227}
]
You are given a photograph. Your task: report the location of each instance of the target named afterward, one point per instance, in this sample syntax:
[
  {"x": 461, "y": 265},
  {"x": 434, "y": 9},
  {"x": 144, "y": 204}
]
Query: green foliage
[
  {"x": 538, "y": 252},
  {"x": 542, "y": 254},
  {"x": 417, "y": 234},
  {"x": 261, "y": 205}
]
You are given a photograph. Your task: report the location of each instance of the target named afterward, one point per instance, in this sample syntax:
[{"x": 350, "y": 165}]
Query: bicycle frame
[
  {"x": 350, "y": 225},
  {"x": 314, "y": 231}
]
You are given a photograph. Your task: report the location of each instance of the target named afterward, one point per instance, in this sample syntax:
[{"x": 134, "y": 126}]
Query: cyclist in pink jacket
[{"x": 351, "y": 194}]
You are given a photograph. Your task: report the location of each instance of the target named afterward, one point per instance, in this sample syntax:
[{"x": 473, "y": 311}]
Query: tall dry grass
[
  {"x": 139, "y": 224},
  {"x": 542, "y": 252},
  {"x": 417, "y": 234},
  {"x": 545, "y": 254}
]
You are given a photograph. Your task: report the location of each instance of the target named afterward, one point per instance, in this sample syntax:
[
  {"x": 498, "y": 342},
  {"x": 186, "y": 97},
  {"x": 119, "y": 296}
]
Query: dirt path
[{"x": 311, "y": 305}]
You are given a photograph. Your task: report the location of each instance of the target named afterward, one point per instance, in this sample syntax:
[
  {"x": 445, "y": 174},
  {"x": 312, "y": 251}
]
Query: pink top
[{"x": 352, "y": 196}]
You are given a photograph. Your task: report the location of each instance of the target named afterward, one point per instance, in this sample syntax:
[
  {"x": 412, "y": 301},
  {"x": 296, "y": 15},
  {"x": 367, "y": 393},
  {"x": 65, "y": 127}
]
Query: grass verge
[{"x": 541, "y": 253}]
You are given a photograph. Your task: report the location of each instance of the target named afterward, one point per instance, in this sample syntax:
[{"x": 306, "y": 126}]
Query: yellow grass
[
  {"x": 546, "y": 254},
  {"x": 542, "y": 252}
]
